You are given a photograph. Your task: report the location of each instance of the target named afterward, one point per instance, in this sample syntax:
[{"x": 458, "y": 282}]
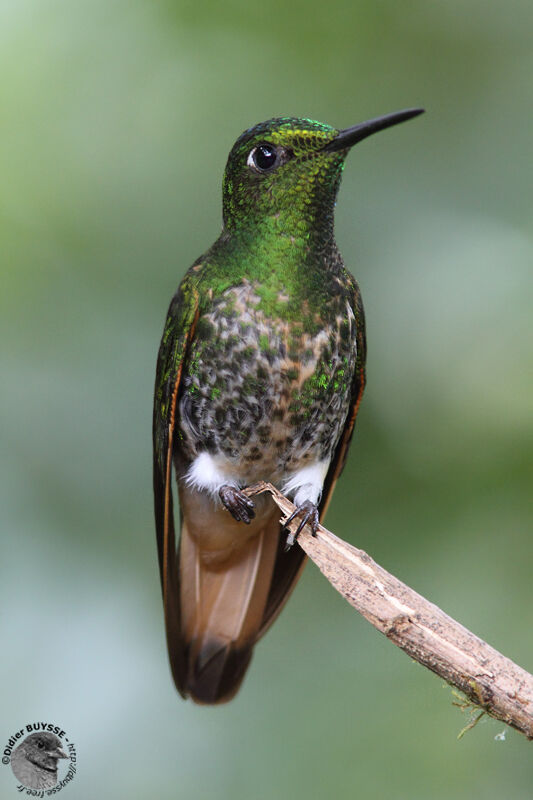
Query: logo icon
[{"x": 35, "y": 754}]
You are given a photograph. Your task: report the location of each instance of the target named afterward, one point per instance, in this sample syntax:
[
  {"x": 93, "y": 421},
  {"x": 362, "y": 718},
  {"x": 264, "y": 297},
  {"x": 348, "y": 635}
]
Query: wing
[
  {"x": 358, "y": 384},
  {"x": 178, "y": 332}
]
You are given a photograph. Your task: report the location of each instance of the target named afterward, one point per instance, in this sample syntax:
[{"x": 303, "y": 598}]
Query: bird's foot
[
  {"x": 239, "y": 506},
  {"x": 309, "y": 514}
]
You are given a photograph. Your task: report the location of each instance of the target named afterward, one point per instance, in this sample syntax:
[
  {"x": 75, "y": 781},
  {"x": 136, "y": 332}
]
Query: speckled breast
[{"x": 270, "y": 395}]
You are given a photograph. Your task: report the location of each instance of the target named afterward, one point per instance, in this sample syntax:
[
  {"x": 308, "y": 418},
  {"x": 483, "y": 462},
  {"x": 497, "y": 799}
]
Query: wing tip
[{"x": 215, "y": 673}]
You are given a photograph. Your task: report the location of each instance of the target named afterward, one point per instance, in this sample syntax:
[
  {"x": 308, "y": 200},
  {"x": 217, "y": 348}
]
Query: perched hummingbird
[{"x": 260, "y": 375}]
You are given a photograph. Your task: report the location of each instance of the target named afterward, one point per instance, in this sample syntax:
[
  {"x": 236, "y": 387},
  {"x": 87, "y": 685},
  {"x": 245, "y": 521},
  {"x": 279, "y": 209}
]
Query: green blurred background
[{"x": 115, "y": 122}]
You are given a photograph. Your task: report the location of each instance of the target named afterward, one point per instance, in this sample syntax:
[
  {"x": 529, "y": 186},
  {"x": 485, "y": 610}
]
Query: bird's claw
[
  {"x": 309, "y": 516},
  {"x": 239, "y": 506}
]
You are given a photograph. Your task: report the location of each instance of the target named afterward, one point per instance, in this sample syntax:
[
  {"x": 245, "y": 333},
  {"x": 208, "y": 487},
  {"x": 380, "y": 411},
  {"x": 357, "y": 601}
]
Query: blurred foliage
[{"x": 115, "y": 122}]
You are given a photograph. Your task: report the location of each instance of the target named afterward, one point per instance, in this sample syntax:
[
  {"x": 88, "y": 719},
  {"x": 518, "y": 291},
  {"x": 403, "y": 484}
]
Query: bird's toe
[
  {"x": 308, "y": 512},
  {"x": 236, "y": 502}
]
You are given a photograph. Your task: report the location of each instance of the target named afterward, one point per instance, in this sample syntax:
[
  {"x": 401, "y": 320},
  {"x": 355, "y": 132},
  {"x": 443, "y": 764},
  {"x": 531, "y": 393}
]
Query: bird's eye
[
  {"x": 40, "y": 745},
  {"x": 263, "y": 157}
]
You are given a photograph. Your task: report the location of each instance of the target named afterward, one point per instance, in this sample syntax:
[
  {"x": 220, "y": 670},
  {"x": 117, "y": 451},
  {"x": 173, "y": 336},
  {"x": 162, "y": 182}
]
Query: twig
[
  {"x": 472, "y": 724},
  {"x": 490, "y": 680}
]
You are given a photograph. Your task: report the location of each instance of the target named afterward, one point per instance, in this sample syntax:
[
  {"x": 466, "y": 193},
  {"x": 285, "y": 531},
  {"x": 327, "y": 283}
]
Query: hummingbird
[{"x": 260, "y": 375}]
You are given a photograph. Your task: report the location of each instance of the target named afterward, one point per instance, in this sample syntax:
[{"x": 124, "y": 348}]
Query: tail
[{"x": 225, "y": 576}]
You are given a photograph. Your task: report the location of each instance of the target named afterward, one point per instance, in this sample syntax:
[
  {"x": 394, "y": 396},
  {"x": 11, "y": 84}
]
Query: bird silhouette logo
[{"x": 34, "y": 762}]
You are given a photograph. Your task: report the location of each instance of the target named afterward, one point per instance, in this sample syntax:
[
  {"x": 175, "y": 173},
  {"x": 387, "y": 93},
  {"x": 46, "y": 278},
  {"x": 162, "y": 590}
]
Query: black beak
[{"x": 350, "y": 136}]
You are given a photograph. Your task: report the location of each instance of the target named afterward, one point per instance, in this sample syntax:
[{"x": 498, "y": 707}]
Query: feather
[{"x": 225, "y": 574}]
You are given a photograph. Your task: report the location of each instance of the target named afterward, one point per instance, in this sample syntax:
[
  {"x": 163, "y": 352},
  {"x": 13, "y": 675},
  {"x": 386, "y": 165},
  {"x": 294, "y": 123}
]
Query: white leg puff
[
  {"x": 306, "y": 484},
  {"x": 207, "y": 474}
]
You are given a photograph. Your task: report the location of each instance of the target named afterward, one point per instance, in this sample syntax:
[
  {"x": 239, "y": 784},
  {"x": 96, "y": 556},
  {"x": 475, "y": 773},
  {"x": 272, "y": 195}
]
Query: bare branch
[{"x": 490, "y": 680}]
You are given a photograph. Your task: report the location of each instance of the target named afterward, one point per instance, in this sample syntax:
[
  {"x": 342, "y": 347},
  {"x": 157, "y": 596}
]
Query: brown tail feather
[{"x": 222, "y": 597}]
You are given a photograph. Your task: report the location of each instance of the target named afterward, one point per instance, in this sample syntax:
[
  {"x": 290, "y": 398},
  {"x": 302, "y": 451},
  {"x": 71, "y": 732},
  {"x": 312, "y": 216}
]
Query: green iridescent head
[
  {"x": 279, "y": 168},
  {"x": 285, "y": 173}
]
